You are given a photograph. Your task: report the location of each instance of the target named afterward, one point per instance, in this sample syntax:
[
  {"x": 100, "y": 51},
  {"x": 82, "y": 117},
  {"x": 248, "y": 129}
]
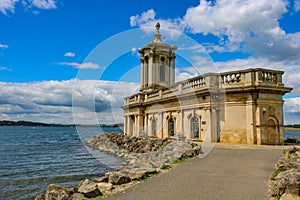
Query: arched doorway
[
  {"x": 171, "y": 127},
  {"x": 195, "y": 127},
  {"x": 272, "y": 132}
]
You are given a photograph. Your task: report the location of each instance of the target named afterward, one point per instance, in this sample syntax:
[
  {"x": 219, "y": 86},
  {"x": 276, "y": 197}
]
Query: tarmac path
[{"x": 226, "y": 173}]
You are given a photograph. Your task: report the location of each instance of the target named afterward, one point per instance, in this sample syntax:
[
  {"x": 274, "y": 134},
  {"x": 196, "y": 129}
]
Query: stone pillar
[
  {"x": 167, "y": 71},
  {"x": 139, "y": 125},
  {"x": 173, "y": 69},
  {"x": 142, "y": 73},
  {"x": 251, "y": 122},
  {"x": 211, "y": 134},
  {"x": 125, "y": 125},
  {"x": 150, "y": 70}
]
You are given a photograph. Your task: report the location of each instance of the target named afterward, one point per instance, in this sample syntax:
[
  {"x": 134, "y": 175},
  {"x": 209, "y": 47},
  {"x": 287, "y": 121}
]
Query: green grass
[
  {"x": 276, "y": 172},
  {"x": 181, "y": 160}
]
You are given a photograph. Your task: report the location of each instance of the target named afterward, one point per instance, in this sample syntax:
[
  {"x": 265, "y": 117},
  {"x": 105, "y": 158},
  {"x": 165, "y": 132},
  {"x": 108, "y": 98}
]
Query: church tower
[{"x": 157, "y": 64}]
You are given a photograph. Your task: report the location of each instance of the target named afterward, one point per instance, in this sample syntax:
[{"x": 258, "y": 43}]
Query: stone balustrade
[{"x": 212, "y": 81}]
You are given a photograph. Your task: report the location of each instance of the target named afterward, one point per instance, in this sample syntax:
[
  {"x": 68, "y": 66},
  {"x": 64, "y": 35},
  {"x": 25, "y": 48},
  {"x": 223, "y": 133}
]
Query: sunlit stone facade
[{"x": 243, "y": 106}]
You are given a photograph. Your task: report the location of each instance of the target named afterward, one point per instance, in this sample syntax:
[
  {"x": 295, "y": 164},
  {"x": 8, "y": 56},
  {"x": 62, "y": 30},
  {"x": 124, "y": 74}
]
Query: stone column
[
  {"x": 125, "y": 125},
  {"x": 150, "y": 70},
  {"x": 139, "y": 125},
  {"x": 173, "y": 69},
  {"x": 142, "y": 73},
  {"x": 251, "y": 122}
]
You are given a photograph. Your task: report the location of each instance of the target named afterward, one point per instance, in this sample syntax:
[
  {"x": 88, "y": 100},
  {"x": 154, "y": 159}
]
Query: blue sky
[{"x": 47, "y": 46}]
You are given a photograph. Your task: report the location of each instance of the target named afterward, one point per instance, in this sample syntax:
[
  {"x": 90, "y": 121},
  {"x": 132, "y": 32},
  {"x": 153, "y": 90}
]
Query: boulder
[
  {"x": 58, "y": 192},
  {"x": 78, "y": 196},
  {"x": 104, "y": 187},
  {"x": 88, "y": 188},
  {"x": 288, "y": 182},
  {"x": 290, "y": 197},
  {"x": 40, "y": 197},
  {"x": 118, "y": 178}
]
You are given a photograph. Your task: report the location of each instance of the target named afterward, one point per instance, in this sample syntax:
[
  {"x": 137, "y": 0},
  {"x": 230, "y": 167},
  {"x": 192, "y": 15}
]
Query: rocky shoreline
[
  {"x": 142, "y": 157},
  {"x": 285, "y": 181}
]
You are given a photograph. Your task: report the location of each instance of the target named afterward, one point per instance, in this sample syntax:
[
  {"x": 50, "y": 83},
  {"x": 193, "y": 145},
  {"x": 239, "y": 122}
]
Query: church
[{"x": 244, "y": 106}]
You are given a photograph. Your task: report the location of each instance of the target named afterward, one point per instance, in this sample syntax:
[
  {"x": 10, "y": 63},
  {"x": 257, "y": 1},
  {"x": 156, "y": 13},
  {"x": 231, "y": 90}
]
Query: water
[
  {"x": 33, "y": 157},
  {"x": 292, "y": 134}
]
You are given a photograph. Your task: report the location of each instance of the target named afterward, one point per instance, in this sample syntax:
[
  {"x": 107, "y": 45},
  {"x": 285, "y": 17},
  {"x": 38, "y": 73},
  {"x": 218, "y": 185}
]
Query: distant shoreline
[
  {"x": 36, "y": 124},
  {"x": 291, "y": 128}
]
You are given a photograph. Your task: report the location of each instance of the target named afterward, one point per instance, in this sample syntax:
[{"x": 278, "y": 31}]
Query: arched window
[
  {"x": 153, "y": 127},
  {"x": 171, "y": 127},
  {"x": 162, "y": 70},
  {"x": 195, "y": 127}
]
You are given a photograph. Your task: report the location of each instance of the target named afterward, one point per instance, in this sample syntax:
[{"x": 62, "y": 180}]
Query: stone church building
[{"x": 243, "y": 106}]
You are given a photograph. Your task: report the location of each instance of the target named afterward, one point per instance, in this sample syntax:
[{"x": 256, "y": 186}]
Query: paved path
[{"x": 233, "y": 173}]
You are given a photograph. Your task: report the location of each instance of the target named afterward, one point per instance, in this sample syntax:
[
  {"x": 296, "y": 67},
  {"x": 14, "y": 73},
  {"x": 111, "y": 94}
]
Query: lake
[{"x": 33, "y": 157}]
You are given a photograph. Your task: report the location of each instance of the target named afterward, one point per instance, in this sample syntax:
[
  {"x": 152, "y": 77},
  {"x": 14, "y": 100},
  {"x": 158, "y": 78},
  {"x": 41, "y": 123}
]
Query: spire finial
[
  {"x": 157, "y": 26},
  {"x": 157, "y": 36}
]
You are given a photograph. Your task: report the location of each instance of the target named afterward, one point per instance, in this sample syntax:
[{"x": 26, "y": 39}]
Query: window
[
  {"x": 195, "y": 127},
  {"x": 171, "y": 127},
  {"x": 153, "y": 127}
]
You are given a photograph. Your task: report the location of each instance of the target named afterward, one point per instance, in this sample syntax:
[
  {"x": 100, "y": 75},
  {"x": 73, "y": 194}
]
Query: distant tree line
[
  {"x": 293, "y": 126},
  {"x": 29, "y": 123}
]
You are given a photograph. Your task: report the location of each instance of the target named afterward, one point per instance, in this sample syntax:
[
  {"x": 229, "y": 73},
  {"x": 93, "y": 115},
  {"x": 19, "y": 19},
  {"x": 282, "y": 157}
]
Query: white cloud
[
  {"x": 44, "y": 4},
  {"x": 7, "y": 5},
  {"x": 297, "y": 5},
  {"x": 3, "y": 46},
  {"x": 145, "y": 17},
  {"x": 147, "y": 22},
  {"x": 88, "y": 65},
  {"x": 69, "y": 54},
  {"x": 5, "y": 69},
  {"x": 292, "y": 105},
  {"x": 249, "y": 26},
  {"x": 53, "y": 101}
]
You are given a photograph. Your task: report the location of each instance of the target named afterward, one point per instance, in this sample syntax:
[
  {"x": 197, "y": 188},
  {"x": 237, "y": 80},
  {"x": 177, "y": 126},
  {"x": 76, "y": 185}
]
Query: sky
[{"x": 64, "y": 61}]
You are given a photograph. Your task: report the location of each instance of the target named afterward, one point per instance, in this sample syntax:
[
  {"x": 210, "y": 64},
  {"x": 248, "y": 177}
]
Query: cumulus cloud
[
  {"x": 297, "y": 5},
  {"x": 5, "y": 69},
  {"x": 88, "y": 65},
  {"x": 69, "y": 54},
  {"x": 44, "y": 4},
  {"x": 146, "y": 20},
  {"x": 55, "y": 101},
  {"x": 3, "y": 46},
  {"x": 9, "y": 5},
  {"x": 248, "y": 26}
]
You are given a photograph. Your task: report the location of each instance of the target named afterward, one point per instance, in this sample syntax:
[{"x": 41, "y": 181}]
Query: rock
[
  {"x": 88, "y": 188},
  {"x": 40, "y": 197},
  {"x": 289, "y": 197},
  {"x": 101, "y": 179},
  {"x": 104, "y": 187},
  {"x": 289, "y": 181},
  {"x": 118, "y": 178},
  {"x": 58, "y": 192},
  {"x": 78, "y": 196}
]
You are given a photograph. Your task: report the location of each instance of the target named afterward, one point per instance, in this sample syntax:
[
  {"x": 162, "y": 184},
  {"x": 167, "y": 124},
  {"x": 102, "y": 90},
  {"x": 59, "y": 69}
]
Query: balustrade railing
[{"x": 240, "y": 78}]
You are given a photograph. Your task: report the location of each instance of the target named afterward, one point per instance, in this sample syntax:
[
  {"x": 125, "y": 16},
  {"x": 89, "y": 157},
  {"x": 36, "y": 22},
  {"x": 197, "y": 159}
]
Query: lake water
[{"x": 33, "y": 157}]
